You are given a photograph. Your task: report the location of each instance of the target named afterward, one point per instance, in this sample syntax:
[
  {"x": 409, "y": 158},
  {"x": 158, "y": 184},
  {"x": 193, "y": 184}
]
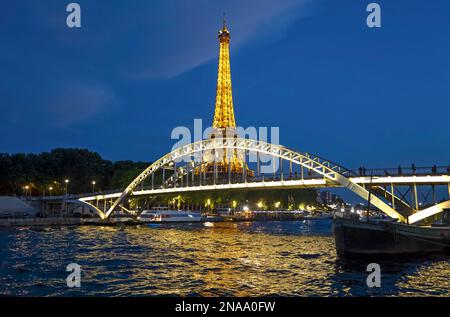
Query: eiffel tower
[{"x": 224, "y": 123}]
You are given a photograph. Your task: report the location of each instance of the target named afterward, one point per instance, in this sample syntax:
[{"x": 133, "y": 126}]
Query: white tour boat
[{"x": 166, "y": 215}]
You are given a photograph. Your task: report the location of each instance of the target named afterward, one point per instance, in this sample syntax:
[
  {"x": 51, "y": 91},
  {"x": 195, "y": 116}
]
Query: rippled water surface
[{"x": 226, "y": 259}]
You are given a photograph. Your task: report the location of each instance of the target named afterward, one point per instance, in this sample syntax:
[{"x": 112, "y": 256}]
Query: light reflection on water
[{"x": 226, "y": 259}]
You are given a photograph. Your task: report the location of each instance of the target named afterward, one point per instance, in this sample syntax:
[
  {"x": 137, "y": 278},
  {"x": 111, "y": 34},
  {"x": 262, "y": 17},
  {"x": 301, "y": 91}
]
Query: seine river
[{"x": 226, "y": 259}]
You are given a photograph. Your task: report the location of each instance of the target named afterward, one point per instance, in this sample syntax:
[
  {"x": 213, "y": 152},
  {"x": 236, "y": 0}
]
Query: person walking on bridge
[
  {"x": 399, "y": 170},
  {"x": 434, "y": 169},
  {"x": 413, "y": 168}
]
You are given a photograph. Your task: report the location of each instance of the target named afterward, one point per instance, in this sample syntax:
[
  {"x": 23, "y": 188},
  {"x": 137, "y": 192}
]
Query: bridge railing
[
  {"x": 235, "y": 179},
  {"x": 403, "y": 171},
  {"x": 307, "y": 175}
]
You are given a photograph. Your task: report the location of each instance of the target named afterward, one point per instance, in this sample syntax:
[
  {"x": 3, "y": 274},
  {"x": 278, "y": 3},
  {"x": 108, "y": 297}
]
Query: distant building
[{"x": 327, "y": 198}]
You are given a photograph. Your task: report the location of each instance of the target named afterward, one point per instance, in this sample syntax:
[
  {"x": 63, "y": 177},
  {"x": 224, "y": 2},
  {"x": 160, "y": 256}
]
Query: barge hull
[{"x": 354, "y": 237}]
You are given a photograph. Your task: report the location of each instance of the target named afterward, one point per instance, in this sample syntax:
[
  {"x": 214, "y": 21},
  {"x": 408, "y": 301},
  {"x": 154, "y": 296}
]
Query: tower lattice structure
[
  {"x": 224, "y": 110},
  {"x": 224, "y": 123}
]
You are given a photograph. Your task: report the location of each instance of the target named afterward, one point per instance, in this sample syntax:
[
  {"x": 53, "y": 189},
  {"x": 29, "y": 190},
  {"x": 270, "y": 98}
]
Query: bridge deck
[{"x": 404, "y": 180}]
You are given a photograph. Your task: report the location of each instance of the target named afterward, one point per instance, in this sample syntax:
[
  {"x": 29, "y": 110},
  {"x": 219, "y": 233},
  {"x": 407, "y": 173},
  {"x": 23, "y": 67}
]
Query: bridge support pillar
[
  {"x": 416, "y": 201},
  {"x": 290, "y": 166},
  {"x": 274, "y": 167},
  {"x": 163, "y": 176},
  {"x": 245, "y": 166},
  {"x": 433, "y": 189},
  {"x": 215, "y": 167},
  {"x": 393, "y": 196},
  {"x": 243, "y": 172},
  {"x": 448, "y": 187},
  {"x": 203, "y": 172},
  {"x": 258, "y": 164},
  {"x": 229, "y": 167},
  {"x": 174, "y": 175}
]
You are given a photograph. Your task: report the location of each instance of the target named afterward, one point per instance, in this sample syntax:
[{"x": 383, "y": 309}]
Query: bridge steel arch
[
  {"x": 83, "y": 203},
  {"x": 329, "y": 170}
]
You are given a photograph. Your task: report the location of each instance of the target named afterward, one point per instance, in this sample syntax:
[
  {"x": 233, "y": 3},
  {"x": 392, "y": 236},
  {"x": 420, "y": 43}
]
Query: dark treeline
[{"x": 80, "y": 166}]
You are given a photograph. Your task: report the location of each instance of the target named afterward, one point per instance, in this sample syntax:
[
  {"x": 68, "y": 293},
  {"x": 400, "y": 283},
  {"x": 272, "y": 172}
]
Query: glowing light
[
  {"x": 260, "y": 204},
  {"x": 277, "y": 204},
  {"x": 245, "y": 208}
]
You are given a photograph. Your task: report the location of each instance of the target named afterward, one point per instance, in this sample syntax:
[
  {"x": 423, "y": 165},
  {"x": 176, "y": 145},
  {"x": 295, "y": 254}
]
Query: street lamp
[
  {"x": 67, "y": 184},
  {"x": 26, "y": 191},
  {"x": 93, "y": 186},
  {"x": 50, "y": 190}
]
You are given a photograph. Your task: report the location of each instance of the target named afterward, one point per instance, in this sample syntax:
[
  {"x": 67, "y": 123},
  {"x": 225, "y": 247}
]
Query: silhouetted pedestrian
[
  {"x": 364, "y": 171},
  {"x": 399, "y": 170},
  {"x": 413, "y": 167},
  {"x": 434, "y": 169},
  {"x": 360, "y": 171}
]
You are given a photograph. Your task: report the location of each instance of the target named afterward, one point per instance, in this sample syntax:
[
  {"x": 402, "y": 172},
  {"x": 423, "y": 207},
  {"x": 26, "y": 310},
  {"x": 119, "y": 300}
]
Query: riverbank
[{"x": 58, "y": 221}]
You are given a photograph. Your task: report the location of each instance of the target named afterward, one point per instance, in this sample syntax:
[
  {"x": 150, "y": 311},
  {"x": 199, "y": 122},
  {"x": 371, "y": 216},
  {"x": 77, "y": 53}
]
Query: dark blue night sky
[{"x": 137, "y": 69}]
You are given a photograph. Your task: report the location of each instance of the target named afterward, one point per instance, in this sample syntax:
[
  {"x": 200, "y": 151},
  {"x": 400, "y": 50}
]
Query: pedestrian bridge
[{"x": 292, "y": 170}]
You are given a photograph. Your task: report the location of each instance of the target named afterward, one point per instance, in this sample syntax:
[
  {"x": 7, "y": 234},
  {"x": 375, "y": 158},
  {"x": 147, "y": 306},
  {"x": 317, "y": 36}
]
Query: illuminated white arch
[
  {"x": 86, "y": 204},
  {"x": 329, "y": 170}
]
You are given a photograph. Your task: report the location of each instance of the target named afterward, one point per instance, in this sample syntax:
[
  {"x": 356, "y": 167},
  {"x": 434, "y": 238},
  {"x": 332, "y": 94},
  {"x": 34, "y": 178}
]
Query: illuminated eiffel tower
[
  {"x": 224, "y": 123},
  {"x": 224, "y": 111}
]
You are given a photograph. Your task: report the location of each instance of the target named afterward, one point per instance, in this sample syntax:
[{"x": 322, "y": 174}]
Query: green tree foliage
[
  {"x": 125, "y": 172},
  {"x": 79, "y": 166}
]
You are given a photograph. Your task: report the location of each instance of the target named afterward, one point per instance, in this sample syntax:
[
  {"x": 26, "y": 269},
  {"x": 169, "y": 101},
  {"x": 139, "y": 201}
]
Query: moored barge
[{"x": 356, "y": 237}]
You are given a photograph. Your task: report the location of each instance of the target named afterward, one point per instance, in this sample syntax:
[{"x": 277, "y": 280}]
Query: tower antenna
[{"x": 224, "y": 21}]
